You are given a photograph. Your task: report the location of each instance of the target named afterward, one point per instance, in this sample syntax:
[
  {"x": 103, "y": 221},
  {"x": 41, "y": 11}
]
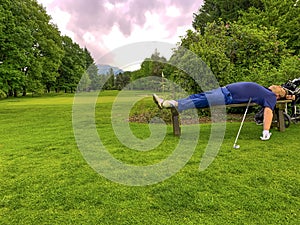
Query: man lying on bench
[{"x": 234, "y": 93}]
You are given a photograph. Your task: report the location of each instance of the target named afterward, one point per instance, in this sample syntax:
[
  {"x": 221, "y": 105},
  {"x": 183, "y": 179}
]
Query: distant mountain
[{"x": 105, "y": 69}]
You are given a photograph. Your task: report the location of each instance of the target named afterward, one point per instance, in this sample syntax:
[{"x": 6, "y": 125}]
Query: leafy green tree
[
  {"x": 257, "y": 54},
  {"x": 110, "y": 80},
  {"x": 153, "y": 66},
  {"x": 212, "y": 48},
  {"x": 190, "y": 71},
  {"x": 122, "y": 80},
  {"x": 283, "y": 15},
  {"x": 235, "y": 52},
  {"x": 85, "y": 82},
  {"x": 289, "y": 69},
  {"x": 15, "y": 48},
  {"x": 144, "y": 71},
  {"x": 92, "y": 71},
  {"x": 72, "y": 67},
  {"x": 208, "y": 13},
  {"x": 88, "y": 58},
  {"x": 47, "y": 48},
  {"x": 30, "y": 47},
  {"x": 227, "y": 10},
  {"x": 157, "y": 64}
]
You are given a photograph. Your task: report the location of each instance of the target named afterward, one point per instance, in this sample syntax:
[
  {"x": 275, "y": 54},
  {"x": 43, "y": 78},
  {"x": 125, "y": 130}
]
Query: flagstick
[{"x": 162, "y": 81}]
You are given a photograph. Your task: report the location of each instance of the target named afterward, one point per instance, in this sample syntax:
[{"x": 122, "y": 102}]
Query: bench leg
[
  {"x": 280, "y": 118},
  {"x": 175, "y": 122}
]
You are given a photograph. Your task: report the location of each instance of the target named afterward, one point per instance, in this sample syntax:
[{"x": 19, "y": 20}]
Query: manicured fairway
[{"x": 44, "y": 178}]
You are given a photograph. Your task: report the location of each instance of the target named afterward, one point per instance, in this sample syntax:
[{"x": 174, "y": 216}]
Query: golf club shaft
[{"x": 237, "y": 136}]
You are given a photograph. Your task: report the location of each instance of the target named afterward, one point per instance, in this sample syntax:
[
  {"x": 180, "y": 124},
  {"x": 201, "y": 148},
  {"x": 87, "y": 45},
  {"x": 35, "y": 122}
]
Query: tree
[
  {"x": 157, "y": 64},
  {"x": 47, "y": 48},
  {"x": 227, "y": 10},
  {"x": 92, "y": 71},
  {"x": 284, "y": 15},
  {"x": 122, "y": 80},
  {"x": 235, "y": 52},
  {"x": 88, "y": 58},
  {"x": 208, "y": 13},
  {"x": 85, "y": 82},
  {"x": 72, "y": 67},
  {"x": 110, "y": 80},
  {"x": 15, "y": 46},
  {"x": 31, "y": 51}
]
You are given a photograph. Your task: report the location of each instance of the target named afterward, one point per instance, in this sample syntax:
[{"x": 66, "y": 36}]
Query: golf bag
[
  {"x": 293, "y": 88},
  {"x": 292, "y": 113},
  {"x": 259, "y": 116}
]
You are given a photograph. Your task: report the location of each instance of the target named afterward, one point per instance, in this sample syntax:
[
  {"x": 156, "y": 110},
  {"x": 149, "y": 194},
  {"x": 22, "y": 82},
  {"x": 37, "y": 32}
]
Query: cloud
[
  {"x": 101, "y": 24},
  {"x": 173, "y": 11}
]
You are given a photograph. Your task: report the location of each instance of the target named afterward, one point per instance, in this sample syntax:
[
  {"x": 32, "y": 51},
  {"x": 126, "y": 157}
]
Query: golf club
[{"x": 237, "y": 136}]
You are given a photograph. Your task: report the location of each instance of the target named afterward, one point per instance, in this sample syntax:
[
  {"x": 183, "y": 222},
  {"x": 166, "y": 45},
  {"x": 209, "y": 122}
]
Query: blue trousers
[{"x": 219, "y": 96}]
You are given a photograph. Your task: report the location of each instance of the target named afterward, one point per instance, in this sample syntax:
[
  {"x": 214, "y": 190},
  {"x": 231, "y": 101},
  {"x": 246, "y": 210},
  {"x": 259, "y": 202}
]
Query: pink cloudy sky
[{"x": 103, "y": 25}]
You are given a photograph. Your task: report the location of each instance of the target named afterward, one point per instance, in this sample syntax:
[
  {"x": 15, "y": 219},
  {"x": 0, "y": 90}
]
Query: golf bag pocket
[{"x": 259, "y": 117}]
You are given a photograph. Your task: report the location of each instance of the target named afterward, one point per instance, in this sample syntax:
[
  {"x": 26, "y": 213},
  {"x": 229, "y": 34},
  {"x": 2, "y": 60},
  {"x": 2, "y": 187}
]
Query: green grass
[{"x": 44, "y": 178}]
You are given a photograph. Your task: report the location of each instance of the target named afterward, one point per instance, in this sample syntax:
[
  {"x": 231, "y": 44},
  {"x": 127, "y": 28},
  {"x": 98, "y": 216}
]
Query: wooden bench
[{"x": 278, "y": 115}]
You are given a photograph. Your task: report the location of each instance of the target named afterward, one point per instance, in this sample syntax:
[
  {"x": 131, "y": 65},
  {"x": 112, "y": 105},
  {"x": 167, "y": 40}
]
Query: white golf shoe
[
  {"x": 158, "y": 101},
  {"x": 161, "y": 103}
]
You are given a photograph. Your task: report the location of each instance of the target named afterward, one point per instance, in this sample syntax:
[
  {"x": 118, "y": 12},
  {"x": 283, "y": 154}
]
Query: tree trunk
[
  {"x": 10, "y": 93},
  {"x": 15, "y": 93},
  {"x": 24, "y": 91}
]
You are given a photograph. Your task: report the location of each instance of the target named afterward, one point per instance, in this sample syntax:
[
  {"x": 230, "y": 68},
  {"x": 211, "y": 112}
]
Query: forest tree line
[
  {"x": 239, "y": 40},
  {"x": 34, "y": 56}
]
